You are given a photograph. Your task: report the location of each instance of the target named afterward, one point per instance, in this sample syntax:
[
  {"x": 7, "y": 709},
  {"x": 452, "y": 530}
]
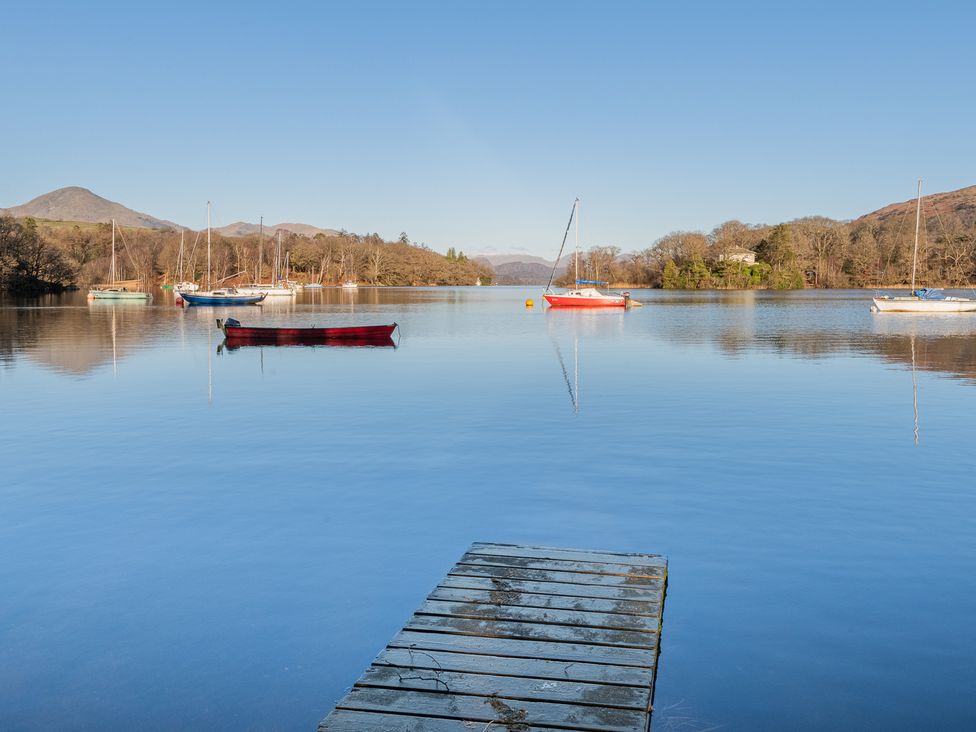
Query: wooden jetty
[{"x": 524, "y": 639}]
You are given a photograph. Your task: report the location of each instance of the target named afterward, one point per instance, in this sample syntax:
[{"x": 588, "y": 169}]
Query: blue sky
[{"x": 475, "y": 125}]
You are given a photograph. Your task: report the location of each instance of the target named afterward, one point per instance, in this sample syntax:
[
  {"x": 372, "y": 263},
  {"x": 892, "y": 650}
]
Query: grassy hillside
[{"x": 80, "y": 204}]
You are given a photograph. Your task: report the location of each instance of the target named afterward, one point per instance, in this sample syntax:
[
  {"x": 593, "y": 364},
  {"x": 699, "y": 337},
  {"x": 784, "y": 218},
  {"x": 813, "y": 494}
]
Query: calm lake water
[{"x": 204, "y": 540}]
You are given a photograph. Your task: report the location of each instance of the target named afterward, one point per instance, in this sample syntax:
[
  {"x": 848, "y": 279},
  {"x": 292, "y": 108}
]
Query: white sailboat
[
  {"x": 115, "y": 291},
  {"x": 922, "y": 300},
  {"x": 183, "y": 285},
  {"x": 275, "y": 288}
]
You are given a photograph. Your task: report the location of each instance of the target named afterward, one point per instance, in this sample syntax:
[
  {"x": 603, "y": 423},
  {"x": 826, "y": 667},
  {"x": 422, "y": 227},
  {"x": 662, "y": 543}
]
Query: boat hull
[
  {"x": 307, "y": 335},
  {"x": 360, "y": 335},
  {"x": 917, "y": 305},
  {"x": 191, "y": 298},
  {"x": 117, "y": 295},
  {"x": 268, "y": 291},
  {"x": 573, "y": 301}
]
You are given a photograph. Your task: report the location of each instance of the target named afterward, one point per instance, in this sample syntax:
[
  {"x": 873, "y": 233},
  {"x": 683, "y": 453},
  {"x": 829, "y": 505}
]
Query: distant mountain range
[
  {"x": 80, "y": 204},
  {"x": 522, "y": 273},
  {"x": 523, "y": 269},
  {"x": 498, "y": 259},
  {"x": 242, "y": 228}
]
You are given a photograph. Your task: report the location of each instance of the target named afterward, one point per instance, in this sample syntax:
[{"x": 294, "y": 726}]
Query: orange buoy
[{"x": 529, "y": 303}]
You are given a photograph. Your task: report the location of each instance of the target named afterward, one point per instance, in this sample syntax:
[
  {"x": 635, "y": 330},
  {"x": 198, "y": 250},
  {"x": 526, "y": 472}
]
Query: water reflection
[
  {"x": 914, "y": 391},
  {"x": 951, "y": 355},
  {"x": 753, "y": 437},
  {"x": 810, "y": 325},
  {"x": 571, "y": 386},
  {"x": 74, "y": 339},
  {"x": 586, "y": 327},
  {"x": 311, "y": 343}
]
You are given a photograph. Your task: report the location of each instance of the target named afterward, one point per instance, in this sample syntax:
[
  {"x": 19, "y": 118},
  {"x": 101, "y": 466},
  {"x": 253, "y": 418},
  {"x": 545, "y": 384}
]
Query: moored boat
[
  {"x": 116, "y": 291},
  {"x": 922, "y": 299},
  {"x": 227, "y": 296},
  {"x": 279, "y": 286},
  {"x": 587, "y": 297},
  {"x": 581, "y": 297},
  {"x": 269, "y": 290},
  {"x": 353, "y": 335},
  {"x": 183, "y": 285},
  {"x": 223, "y": 296}
]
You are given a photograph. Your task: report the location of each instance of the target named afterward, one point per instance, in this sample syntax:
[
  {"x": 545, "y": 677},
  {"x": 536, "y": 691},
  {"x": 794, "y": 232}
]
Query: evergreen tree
[{"x": 671, "y": 279}]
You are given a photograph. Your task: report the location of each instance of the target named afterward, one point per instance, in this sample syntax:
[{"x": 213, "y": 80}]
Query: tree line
[
  {"x": 806, "y": 252},
  {"x": 28, "y": 262},
  {"x": 47, "y": 256}
]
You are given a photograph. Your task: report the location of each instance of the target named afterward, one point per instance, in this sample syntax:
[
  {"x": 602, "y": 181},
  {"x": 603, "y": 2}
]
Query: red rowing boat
[{"x": 358, "y": 335}]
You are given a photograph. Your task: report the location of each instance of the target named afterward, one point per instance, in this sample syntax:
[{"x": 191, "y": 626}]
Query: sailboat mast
[
  {"x": 179, "y": 259},
  {"x": 577, "y": 239},
  {"x": 572, "y": 215},
  {"x": 112, "y": 273},
  {"x": 277, "y": 262},
  {"x": 260, "y": 250},
  {"x": 918, "y": 215},
  {"x": 208, "y": 246}
]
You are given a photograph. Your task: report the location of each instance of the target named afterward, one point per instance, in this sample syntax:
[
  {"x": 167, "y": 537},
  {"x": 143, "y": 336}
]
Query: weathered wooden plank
[
  {"x": 563, "y": 565},
  {"x": 535, "y": 638},
  {"x": 533, "y": 631},
  {"x": 531, "y": 667},
  {"x": 552, "y": 602},
  {"x": 488, "y": 611},
  {"x": 576, "y": 555},
  {"x": 542, "y": 575},
  {"x": 512, "y": 648},
  {"x": 492, "y": 709},
  {"x": 652, "y": 592},
  {"x": 344, "y": 720},
  {"x": 507, "y": 687}
]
